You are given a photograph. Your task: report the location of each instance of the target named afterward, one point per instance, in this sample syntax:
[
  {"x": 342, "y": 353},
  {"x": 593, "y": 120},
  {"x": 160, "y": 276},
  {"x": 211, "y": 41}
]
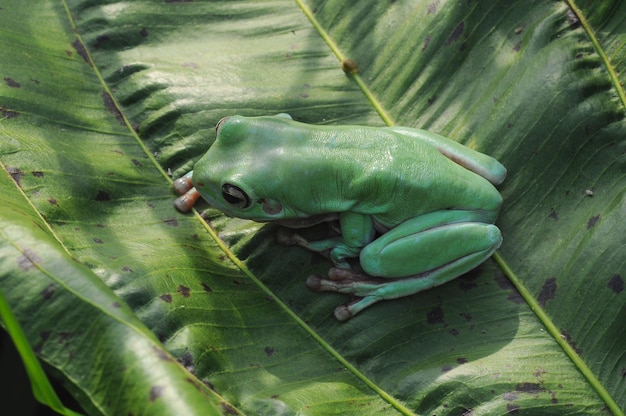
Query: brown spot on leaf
[
  {"x": 426, "y": 42},
  {"x": 467, "y": 316},
  {"x": 269, "y": 351},
  {"x": 616, "y": 284},
  {"x": 97, "y": 240},
  {"x": 517, "y": 46},
  {"x": 28, "y": 259},
  {"x": 206, "y": 287},
  {"x": 102, "y": 196},
  {"x": 109, "y": 103},
  {"x": 48, "y": 291},
  {"x": 548, "y": 291},
  {"x": 531, "y": 388},
  {"x": 172, "y": 222},
  {"x": 166, "y": 298},
  {"x": 187, "y": 361},
  {"x": 184, "y": 291},
  {"x": 592, "y": 221},
  {"x": 435, "y": 316},
  {"x": 6, "y": 113},
  {"x": 127, "y": 269},
  {"x": 461, "y": 360},
  {"x": 52, "y": 201},
  {"x": 12, "y": 83},
  {"x": 38, "y": 174},
  {"x": 458, "y": 31},
  {"x": 144, "y": 32},
  {"x": 80, "y": 49},
  {"x": 553, "y": 214},
  {"x": 136, "y": 162},
  {"x": 571, "y": 342},
  {"x": 16, "y": 174},
  {"x": 156, "y": 392},
  {"x": 227, "y": 408}
]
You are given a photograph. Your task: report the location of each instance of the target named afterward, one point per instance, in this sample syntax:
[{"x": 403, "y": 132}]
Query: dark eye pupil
[{"x": 235, "y": 196}]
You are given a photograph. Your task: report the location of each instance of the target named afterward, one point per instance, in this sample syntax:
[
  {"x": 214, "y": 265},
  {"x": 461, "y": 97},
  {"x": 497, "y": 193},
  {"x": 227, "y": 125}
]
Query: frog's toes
[
  {"x": 185, "y": 202},
  {"x": 182, "y": 185},
  {"x": 347, "y": 311}
]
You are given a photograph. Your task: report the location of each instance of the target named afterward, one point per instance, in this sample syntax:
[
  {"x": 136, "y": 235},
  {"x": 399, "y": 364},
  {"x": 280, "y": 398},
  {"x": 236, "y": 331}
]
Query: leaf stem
[
  {"x": 337, "y": 52},
  {"x": 600, "y": 50},
  {"x": 552, "y": 329}
]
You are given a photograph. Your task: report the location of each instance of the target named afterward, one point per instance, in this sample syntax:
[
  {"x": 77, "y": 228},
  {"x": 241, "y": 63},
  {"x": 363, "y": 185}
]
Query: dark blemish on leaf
[
  {"x": 531, "y": 388},
  {"x": 462, "y": 360},
  {"x": 162, "y": 355},
  {"x": 97, "y": 240},
  {"x": 467, "y": 316},
  {"x": 38, "y": 174},
  {"x": 571, "y": 342},
  {"x": 183, "y": 291},
  {"x": 623, "y": 372},
  {"x": 432, "y": 100},
  {"x": 206, "y": 287},
  {"x": 80, "y": 49},
  {"x": 304, "y": 95},
  {"x": 100, "y": 225},
  {"x": 426, "y": 42},
  {"x": 572, "y": 19},
  {"x": 110, "y": 105},
  {"x": 12, "y": 83},
  {"x": 518, "y": 30},
  {"x": 517, "y": 46},
  {"x": 237, "y": 282},
  {"x": 228, "y": 409},
  {"x": 270, "y": 298},
  {"x": 458, "y": 31},
  {"x": 6, "y": 113},
  {"x": 432, "y": 7},
  {"x": 136, "y": 162},
  {"x": 116, "y": 305},
  {"x": 435, "y": 316},
  {"x": 467, "y": 281},
  {"x": 172, "y": 222},
  {"x": 17, "y": 175},
  {"x": 48, "y": 291},
  {"x": 52, "y": 201},
  {"x": 454, "y": 332},
  {"x": 127, "y": 269},
  {"x": 539, "y": 373},
  {"x": 166, "y": 298},
  {"x": 269, "y": 351},
  {"x": 144, "y": 32},
  {"x": 548, "y": 291},
  {"x": 187, "y": 361},
  {"x": 349, "y": 66},
  {"x": 156, "y": 392},
  {"x": 616, "y": 284},
  {"x": 103, "y": 196},
  {"x": 512, "y": 409},
  {"x": 101, "y": 40},
  {"x": 69, "y": 53},
  {"x": 515, "y": 297},
  {"x": 28, "y": 259},
  {"x": 445, "y": 368},
  {"x": 592, "y": 221},
  {"x": 553, "y": 214}
]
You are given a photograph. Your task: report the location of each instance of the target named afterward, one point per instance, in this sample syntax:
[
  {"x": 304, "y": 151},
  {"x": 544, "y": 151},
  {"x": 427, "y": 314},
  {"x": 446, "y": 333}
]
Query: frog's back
[{"x": 395, "y": 176}]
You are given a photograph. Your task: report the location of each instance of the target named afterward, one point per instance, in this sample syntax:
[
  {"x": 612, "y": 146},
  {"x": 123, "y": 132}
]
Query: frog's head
[{"x": 246, "y": 172}]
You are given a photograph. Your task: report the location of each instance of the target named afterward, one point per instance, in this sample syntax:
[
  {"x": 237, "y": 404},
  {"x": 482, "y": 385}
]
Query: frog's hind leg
[{"x": 429, "y": 258}]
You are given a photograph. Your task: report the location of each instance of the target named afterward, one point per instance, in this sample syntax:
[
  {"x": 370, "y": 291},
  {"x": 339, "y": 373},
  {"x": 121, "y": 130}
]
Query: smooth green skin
[{"x": 417, "y": 209}]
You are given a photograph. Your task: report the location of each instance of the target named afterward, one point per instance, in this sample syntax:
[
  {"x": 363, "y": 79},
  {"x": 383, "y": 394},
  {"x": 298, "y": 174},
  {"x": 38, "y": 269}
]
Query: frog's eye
[
  {"x": 219, "y": 124},
  {"x": 235, "y": 196}
]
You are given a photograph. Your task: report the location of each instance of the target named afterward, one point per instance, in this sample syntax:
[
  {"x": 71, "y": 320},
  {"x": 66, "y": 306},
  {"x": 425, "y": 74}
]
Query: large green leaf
[{"x": 99, "y": 101}]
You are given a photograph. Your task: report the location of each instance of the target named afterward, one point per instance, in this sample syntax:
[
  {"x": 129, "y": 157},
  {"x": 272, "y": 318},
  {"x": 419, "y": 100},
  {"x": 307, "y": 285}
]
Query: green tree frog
[{"x": 415, "y": 208}]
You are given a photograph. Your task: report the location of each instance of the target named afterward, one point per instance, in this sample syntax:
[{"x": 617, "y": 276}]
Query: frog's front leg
[
  {"x": 421, "y": 253},
  {"x": 357, "y": 231}
]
